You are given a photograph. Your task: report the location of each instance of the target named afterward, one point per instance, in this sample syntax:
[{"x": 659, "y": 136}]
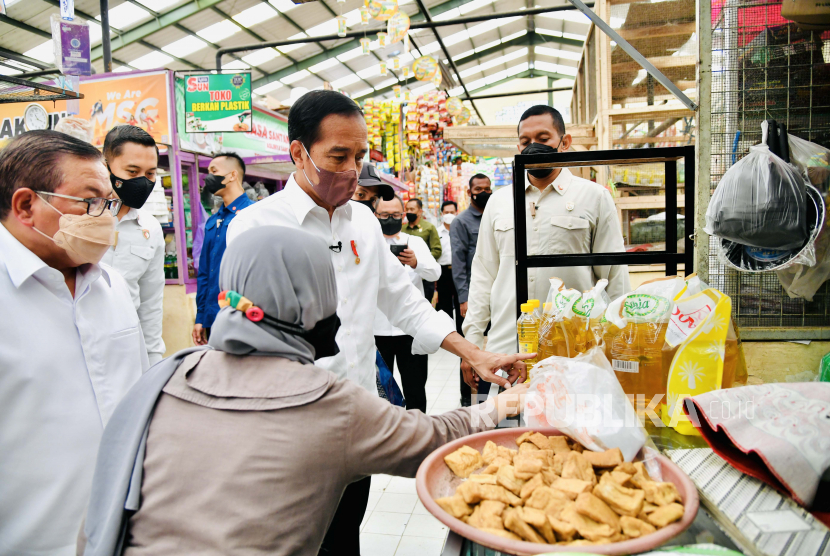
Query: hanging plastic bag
[
  {"x": 581, "y": 397},
  {"x": 554, "y": 338},
  {"x": 635, "y": 336},
  {"x": 812, "y": 160},
  {"x": 746, "y": 258},
  {"x": 803, "y": 281},
  {"x": 587, "y": 312},
  {"x": 760, "y": 202}
]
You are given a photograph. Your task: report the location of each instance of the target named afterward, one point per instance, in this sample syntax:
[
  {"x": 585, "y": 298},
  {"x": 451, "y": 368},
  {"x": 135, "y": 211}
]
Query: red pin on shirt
[{"x": 354, "y": 250}]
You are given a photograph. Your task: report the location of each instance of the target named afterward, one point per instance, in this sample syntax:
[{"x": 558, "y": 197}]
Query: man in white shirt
[
  {"x": 132, "y": 158},
  {"x": 328, "y": 141},
  {"x": 72, "y": 343},
  {"x": 392, "y": 343},
  {"x": 565, "y": 215}
]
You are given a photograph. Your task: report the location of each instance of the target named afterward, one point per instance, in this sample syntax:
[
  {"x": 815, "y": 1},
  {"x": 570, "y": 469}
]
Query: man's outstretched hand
[{"x": 486, "y": 365}]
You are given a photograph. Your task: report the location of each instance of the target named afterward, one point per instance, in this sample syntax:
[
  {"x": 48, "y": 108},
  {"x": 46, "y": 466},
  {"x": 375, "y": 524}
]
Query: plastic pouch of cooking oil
[
  {"x": 554, "y": 337},
  {"x": 584, "y": 317},
  {"x": 634, "y": 338}
]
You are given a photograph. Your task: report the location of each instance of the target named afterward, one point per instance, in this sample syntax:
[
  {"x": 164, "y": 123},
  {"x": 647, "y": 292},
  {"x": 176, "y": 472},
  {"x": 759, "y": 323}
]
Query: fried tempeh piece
[
  {"x": 577, "y": 467},
  {"x": 624, "y": 501},
  {"x": 539, "y": 520},
  {"x": 635, "y": 528},
  {"x": 524, "y": 437},
  {"x": 647, "y": 509},
  {"x": 513, "y": 521},
  {"x": 559, "y": 461},
  {"x": 640, "y": 477},
  {"x": 455, "y": 506},
  {"x": 540, "y": 440},
  {"x": 527, "y": 465},
  {"x": 493, "y": 468},
  {"x": 559, "y": 444},
  {"x": 527, "y": 489},
  {"x": 464, "y": 461},
  {"x": 608, "y": 458},
  {"x": 487, "y": 515},
  {"x": 564, "y": 530},
  {"x": 626, "y": 467},
  {"x": 619, "y": 477},
  {"x": 590, "y": 506},
  {"x": 528, "y": 447},
  {"x": 473, "y": 493},
  {"x": 548, "y": 475},
  {"x": 585, "y": 526},
  {"x": 664, "y": 515},
  {"x": 549, "y": 500},
  {"x": 483, "y": 478},
  {"x": 506, "y": 477},
  {"x": 503, "y": 533},
  {"x": 572, "y": 487},
  {"x": 661, "y": 494},
  {"x": 490, "y": 452}
]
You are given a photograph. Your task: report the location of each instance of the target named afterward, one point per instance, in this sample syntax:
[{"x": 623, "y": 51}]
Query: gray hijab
[{"x": 288, "y": 274}]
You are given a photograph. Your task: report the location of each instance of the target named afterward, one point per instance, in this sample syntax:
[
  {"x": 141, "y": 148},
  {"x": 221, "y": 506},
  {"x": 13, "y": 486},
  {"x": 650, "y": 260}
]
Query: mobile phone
[{"x": 397, "y": 249}]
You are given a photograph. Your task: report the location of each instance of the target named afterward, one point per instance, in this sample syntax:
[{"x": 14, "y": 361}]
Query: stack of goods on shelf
[
  {"x": 429, "y": 188},
  {"x": 383, "y": 121}
]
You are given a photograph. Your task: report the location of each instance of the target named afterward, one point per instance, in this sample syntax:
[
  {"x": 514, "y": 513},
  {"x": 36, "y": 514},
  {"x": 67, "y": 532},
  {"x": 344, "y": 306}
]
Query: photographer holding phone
[{"x": 392, "y": 343}]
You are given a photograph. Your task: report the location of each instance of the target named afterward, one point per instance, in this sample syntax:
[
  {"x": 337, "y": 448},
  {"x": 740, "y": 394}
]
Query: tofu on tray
[{"x": 550, "y": 490}]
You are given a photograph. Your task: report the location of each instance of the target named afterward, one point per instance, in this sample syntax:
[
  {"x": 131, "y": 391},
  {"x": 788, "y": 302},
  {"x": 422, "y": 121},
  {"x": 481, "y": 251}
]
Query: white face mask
[
  {"x": 85, "y": 238},
  {"x": 448, "y": 218}
]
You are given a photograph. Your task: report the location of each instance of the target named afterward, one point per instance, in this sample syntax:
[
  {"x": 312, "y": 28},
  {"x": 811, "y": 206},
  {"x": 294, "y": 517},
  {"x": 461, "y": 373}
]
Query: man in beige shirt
[{"x": 564, "y": 214}]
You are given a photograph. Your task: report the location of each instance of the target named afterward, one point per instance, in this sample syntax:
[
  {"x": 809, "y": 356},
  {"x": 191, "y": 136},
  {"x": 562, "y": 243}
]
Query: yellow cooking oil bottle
[{"x": 528, "y": 329}]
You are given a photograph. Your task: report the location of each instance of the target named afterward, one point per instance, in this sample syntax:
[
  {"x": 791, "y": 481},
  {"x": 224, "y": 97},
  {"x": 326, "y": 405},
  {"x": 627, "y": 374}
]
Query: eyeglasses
[
  {"x": 95, "y": 206},
  {"x": 395, "y": 215}
]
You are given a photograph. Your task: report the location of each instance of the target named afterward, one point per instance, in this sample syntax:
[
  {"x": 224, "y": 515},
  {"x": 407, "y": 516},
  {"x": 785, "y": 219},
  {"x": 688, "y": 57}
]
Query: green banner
[{"x": 218, "y": 102}]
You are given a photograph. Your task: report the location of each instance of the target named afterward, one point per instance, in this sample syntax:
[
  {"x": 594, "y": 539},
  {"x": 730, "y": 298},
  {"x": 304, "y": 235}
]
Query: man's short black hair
[
  {"x": 236, "y": 157},
  {"x": 310, "y": 109},
  {"x": 33, "y": 160},
  {"x": 479, "y": 177},
  {"x": 121, "y": 134},
  {"x": 541, "y": 110},
  {"x": 445, "y": 203},
  {"x": 418, "y": 202}
]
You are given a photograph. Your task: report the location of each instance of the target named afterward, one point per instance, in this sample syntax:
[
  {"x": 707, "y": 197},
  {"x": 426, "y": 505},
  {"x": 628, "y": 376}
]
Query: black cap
[{"x": 369, "y": 177}]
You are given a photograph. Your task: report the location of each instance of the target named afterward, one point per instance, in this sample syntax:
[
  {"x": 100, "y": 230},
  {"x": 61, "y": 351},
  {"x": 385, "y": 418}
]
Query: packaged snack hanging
[
  {"x": 587, "y": 312},
  {"x": 635, "y": 336},
  {"x": 697, "y": 339},
  {"x": 528, "y": 329},
  {"x": 554, "y": 337}
]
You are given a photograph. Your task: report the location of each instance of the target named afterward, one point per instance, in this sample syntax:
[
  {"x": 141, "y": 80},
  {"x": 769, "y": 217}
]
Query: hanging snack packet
[
  {"x": 635, "y": 335},
  {"x": 587, "y": 312},
  {"x": 554, "y": 337}
]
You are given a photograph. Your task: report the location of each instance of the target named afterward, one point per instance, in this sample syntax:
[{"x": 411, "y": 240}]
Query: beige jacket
[{"x": 250, "y": 455}]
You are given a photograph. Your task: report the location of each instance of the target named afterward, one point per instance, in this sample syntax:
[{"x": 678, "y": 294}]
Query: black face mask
[
  {"x": 540, "y": 148},
  {"x": 321, "y": 337},
  {"x": 390, "y": 226},
  {"x": 411, "y": 217},
  {"x": 134, "y": 191},
  {"x": 481, "y": 199},
  {"x": 369, "y": 204},
  {"x": 213, "y": 183}
]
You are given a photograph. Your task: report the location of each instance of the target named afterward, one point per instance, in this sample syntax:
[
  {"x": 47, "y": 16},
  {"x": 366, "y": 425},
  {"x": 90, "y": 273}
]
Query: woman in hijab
[{"x": 244, "y": 446}]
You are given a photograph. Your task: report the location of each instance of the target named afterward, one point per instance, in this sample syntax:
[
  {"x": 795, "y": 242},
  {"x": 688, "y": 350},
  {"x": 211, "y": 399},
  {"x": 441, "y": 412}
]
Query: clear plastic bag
[
  {"x": 581, "y": 397},
  {"x": 585, "y": 315},
  {"x": 760, "y": 202},
  {"x": 77, "y": 127},
  {"x": 812, "y": 160},
  {"x": 803, "y": 280}
]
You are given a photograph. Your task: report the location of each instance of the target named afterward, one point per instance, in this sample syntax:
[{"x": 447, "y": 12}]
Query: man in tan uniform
[{"x": 565, "y": 215}]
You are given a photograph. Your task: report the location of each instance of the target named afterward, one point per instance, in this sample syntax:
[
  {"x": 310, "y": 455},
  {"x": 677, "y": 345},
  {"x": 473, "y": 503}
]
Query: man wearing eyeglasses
[{"x": 72, "y": 343}]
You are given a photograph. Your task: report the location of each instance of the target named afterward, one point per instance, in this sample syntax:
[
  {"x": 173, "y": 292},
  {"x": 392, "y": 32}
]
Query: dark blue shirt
[
  {"x": 464, "y": 238},
  {"x": 207, "y": 282}
]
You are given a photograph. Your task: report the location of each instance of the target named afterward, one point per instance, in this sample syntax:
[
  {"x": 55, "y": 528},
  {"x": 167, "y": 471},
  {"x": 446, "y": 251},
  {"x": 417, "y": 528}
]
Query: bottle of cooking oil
[
  {"x": 528, "y": 329},
  {"x": 537, "y": 312}
]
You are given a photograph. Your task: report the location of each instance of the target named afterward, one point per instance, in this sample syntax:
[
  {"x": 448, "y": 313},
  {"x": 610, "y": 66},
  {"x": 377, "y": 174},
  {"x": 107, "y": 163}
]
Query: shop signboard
[
  {"x": 217, "y": 102},
  {"x": 268, "y": 136},
  {"x": 139, "y": 99}
]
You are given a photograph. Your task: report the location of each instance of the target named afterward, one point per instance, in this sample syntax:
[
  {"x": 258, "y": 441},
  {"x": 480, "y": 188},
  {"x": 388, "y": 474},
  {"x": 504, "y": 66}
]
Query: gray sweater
[{"x": 250, "y": 455}]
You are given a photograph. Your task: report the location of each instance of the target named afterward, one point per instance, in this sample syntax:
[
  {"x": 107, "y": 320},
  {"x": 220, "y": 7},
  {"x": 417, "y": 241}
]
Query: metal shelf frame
[{"x": 670, "y": 257}]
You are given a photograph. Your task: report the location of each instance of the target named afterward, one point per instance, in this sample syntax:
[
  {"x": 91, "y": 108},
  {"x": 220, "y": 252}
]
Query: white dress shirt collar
[
  {"x": 302, "y": 203},
  {"x": 21, "y": 263}
]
